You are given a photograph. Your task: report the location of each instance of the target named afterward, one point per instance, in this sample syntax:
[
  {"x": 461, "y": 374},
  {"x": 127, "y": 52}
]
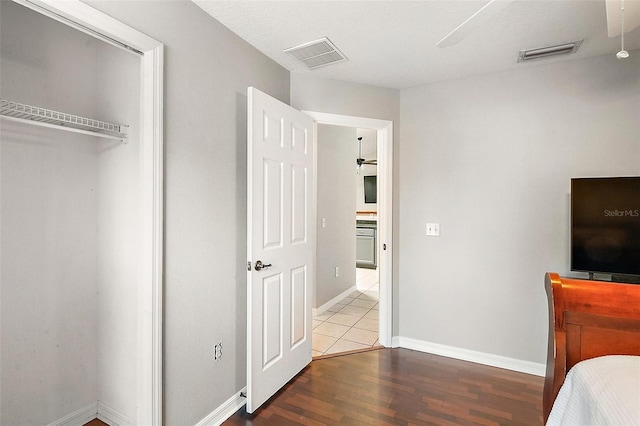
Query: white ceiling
[{"x": 393, "y": 43}]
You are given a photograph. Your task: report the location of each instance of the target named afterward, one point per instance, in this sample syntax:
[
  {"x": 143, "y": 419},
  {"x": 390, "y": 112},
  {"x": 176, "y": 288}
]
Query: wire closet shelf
[{"x": 29, "y": 114}]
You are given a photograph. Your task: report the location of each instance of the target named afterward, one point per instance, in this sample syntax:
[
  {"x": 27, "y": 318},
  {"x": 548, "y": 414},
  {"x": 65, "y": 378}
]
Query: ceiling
[{"x": 393, "y": 43}]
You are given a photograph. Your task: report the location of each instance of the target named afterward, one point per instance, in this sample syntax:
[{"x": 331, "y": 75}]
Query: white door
[{"x": 280, "y": 236}]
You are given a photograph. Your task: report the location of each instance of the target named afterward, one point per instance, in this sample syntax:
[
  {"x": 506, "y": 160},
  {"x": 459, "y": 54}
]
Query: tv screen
[
  {"x": 605, "y": 225},
  {"x": 370, "y": 189}
]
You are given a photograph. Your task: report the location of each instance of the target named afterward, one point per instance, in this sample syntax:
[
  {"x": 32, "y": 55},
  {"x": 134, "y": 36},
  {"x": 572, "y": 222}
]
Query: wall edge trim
[
  {"x": 113, "y": 417},
  {"x": 78, "y": 417},
  {"x": 484, "y": 358},
  {"x": 322, "y": 309},
  {"x": 225, "y": 410}
]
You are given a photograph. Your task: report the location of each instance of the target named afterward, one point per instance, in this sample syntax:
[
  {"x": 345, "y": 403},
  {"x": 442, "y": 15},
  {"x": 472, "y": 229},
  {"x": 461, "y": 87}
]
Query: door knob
[{"x": 259, "y": 265}]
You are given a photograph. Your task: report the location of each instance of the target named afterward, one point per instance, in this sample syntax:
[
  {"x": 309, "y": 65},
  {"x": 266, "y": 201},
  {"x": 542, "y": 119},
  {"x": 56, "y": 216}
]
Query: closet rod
[{"x": 29, "y": 114}]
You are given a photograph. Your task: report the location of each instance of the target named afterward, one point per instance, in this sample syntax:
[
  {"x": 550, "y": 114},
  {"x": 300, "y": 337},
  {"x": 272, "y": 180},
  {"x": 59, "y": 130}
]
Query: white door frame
[
  {"x": 149, "y": 349},
  {"x": 384, "y": 130}
]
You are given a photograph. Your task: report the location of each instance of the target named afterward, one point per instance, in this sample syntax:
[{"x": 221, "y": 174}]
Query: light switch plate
[{"x": 433, "y": 229}]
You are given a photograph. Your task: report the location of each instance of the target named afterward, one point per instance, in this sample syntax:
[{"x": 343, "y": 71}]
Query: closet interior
[{"x": 70, "y": 223}]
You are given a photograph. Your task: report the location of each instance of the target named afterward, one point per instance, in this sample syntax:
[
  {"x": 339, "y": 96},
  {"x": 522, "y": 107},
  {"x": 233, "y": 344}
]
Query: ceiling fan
[
  {"x": 620, "y": 14},
  {"x": 361, "y": 161},
  {"x": 475, "y": 21}
]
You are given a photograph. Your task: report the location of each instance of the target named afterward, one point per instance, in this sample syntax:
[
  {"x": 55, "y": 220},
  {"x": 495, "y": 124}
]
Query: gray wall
[
  {"x": 207, "y": 72},
  {"x": 69, "y": 225},
  {"x": 336, "y": 203},
  {"x": 490, "y": 158},
  {"x": 338, "y": 97}
]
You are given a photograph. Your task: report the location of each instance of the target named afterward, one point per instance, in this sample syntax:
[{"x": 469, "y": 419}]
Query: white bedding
[{"x": 600, "y": 391}]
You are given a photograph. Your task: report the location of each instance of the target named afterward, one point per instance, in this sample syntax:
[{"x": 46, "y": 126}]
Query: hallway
[{"x": 352, "y": 323}]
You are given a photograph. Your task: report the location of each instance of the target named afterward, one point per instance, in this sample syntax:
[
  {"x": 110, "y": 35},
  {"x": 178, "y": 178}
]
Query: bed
[{"x": 596, "y": 322}]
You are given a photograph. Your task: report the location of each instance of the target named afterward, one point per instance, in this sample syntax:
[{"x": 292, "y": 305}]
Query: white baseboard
[
  {"x": 322, "y": 309},
  {"x": 113, "y": 417},
  {"x": 97, "y": 410},
  {"x": 78, "y": 417},
  {"x": 472, "y": 356},
  {"x": 226, "y": 410},
  {"x": 395, "y": 341}
]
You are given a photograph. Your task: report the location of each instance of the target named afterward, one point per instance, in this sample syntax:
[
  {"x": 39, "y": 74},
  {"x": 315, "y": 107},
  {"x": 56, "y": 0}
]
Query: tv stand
[
  {"x": 617, "y": 278},
  {"x": 626, "y": 279}
]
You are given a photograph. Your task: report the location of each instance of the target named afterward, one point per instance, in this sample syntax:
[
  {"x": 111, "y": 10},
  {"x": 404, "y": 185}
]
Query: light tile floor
[{"x": 351, "y": 323}]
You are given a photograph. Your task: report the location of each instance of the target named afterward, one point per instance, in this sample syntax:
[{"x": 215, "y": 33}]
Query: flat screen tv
[
  {"x": 605, "y": 225},
  {"x": 370, "y": 189}
]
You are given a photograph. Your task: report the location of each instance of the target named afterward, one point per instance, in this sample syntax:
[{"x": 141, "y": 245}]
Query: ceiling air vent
[
  {"x": 317, "y": 53},
  {"x": 543, "y": 52}
]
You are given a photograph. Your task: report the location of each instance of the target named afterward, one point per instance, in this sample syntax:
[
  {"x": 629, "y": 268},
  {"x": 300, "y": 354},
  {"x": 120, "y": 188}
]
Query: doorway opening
[
  {"x": 383, "y": 130},
  {"x": 351, "y": 324},
  {"x": 347, "y": 290}
]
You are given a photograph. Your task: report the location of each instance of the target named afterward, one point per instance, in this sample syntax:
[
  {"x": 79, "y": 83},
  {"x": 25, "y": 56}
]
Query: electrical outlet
[
  {"x": 217, "y": 351},
  {"x": 433, "y": 229},
  {"x": 337, "y": 271}
]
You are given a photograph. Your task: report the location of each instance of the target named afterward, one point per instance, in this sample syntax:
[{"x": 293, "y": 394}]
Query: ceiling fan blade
[
  {"x": 614, "y": 16},
  {"x": 475, "y": 21}
]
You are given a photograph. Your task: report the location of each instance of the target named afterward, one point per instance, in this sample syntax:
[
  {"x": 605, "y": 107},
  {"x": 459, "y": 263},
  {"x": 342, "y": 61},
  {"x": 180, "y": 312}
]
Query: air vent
[
  {"x": 543, "y": 52},
  {"x": 317, "y": 53}
]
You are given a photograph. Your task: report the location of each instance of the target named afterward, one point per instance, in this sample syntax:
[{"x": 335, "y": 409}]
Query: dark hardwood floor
[
  {"x": 401, "y": 387},
  {"x": 96, "y": 422}
]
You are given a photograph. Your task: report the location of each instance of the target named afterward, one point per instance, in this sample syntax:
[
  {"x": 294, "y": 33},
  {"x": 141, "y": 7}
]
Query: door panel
[
  {"x": 272, "y": 319},
  {"x": 299, "y": 200},
  {"x": 273, "y": 217},
  {"x": 272, "y": 128},
  {"x": 299, "y": 139},
  {"x": 298, "y": 308},
  {"x": 280, "y": 233}
]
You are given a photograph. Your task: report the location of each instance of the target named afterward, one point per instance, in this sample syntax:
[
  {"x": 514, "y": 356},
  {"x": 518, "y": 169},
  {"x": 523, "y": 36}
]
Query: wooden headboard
[{"x": 587, "y": 319}]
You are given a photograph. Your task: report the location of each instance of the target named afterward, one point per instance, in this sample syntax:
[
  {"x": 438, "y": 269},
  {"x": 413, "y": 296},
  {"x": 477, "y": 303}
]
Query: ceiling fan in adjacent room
[
  {"x": 361, "y": 161},
  {"x": 622, "y": 16}
]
